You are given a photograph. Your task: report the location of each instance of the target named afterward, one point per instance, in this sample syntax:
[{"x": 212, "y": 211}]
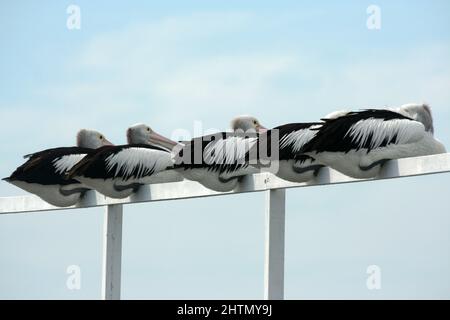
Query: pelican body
[
  {"x": 359, "y": 143},
  {"x": 43, "y": 174},
  {"x": 216, "y": 161},
  {"x": 118, "y": 171}
]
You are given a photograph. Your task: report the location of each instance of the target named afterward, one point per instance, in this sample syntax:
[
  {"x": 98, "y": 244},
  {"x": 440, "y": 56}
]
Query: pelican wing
[
  {"x": 138, "y": 162},
  {"x": 287, "y": 140},
  {"x": 367, "y": 129},
  {"x": 65, "y": 163},
  {"x": 229, "y": 152},
  {"x": 294, "y": 136},
  {"x": 125, "y": 162},
  {"x": 222, "y": 151},
  {"x": 49, "y": 166}
]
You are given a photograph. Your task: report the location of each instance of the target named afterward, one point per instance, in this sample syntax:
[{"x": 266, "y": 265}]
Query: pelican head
[
  {"x": 91, "y": 139},
  {"x": 419, "y": 112},
  {"x": 247, "y": 123},
  {"x": 143, "y": 134}
]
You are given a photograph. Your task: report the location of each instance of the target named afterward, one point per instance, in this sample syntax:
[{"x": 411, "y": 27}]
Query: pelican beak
[
  {"x": 261, "y": 129},
  {"x": 161, "y": 141},
  {"x": 107, "y": 143}
]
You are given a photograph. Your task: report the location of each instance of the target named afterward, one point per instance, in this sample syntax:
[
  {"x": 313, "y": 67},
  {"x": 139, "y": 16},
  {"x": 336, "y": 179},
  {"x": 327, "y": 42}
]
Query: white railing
[{"x": 275, "y": 212}]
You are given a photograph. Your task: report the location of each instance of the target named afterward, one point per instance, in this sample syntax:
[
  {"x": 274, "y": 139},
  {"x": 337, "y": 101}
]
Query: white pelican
[
  {"x": 217, "y": 161},
  {"x": 118, "y": 171},
  {"x": 43, "y": 173},
  {"x": 359, "y": 143}
]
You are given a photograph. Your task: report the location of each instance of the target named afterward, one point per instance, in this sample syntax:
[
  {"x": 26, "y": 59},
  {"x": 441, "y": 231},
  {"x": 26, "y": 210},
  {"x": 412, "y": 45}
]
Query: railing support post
[
  {"x": 274, "y": 244},
  {"x": 112, "y": 252}
]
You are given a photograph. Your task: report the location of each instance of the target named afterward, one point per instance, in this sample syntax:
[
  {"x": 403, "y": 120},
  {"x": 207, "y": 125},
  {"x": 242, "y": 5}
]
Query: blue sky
[{"x": 174, "y": 63}]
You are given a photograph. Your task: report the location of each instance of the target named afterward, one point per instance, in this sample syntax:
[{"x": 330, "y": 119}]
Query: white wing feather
[
  {"x": 297, "y": 139},
  {"x": 228, "y": 151},
  {"x": 406, "y": 131},
  {"x": 65, "y": 163},
  {"x": 146, "y": 161}
]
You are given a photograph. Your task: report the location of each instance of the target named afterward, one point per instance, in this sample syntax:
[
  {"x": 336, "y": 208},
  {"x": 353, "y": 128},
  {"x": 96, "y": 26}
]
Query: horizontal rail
[{"x": 253, "y": 183}]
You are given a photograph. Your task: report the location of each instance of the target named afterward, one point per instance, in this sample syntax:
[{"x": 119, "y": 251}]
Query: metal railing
[{"x": 274, "y": 218}]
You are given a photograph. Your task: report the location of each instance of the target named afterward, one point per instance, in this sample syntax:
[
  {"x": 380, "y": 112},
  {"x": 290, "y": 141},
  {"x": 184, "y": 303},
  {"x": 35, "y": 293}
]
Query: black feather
[
  {"x": 333, "y": 134},
  {"x": 39, "y": 167},
  {"x": 192, "y": 154},
  {"x": 286, "y": 152},
  {"x": 94, "y": 165}
]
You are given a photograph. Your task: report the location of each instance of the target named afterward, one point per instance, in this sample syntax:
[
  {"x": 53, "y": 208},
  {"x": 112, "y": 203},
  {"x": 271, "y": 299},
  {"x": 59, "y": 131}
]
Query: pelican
[
  {"x": 118, "y": 171},
  {"x": 359, "y": 143},
  {"x": 217, "y": 161},
  {"x": 43, "y": 173}
]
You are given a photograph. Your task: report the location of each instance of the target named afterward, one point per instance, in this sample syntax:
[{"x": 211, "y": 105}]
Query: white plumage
[
  {"x": 297, "y": 139},
  {"x": 65, "y": 163},
  {"x": 145, "y": 161},
  {"x": 403, "y": 130},
  {"x": 228, "y": 151}
]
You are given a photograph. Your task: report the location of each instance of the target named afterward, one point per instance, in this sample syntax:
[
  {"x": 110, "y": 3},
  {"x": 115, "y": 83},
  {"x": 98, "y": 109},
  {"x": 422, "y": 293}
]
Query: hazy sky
[{"x": 185, "y": 64}]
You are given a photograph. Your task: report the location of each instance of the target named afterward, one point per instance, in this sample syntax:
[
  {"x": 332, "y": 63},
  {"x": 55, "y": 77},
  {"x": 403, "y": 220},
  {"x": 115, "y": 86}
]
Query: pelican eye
[
  {"x": 255, "y": 122},
  {"x": 101, "y": 137},
  {"x": 148, "y": 129}
]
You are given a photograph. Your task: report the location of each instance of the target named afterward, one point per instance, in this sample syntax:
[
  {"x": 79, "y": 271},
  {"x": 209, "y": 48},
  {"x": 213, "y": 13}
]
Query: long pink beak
[{"x": 162, "y": 141}]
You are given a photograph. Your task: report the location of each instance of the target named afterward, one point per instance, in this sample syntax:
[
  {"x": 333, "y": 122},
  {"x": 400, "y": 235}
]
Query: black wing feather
[
  {"x": 39, "y": 167},
  {"x": 333, "y": 135},
  {"x": 186, "y": 157},
  {"x": 95, "y": 165}
]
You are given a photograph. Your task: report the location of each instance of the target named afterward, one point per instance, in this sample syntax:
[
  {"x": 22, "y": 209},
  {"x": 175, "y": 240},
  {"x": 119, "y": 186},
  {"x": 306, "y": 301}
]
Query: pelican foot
[
  {"x": 67, "y": 193},
  {"x": 376, "y": 163},
  {"x": 314, "y": 168},
  {"x": 133, "y": 186}
]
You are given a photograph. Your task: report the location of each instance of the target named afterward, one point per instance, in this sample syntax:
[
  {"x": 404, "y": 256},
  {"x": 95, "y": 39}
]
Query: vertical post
[
  {"x": 274, "y": 244},
  {"x": 112, "y": 252}
]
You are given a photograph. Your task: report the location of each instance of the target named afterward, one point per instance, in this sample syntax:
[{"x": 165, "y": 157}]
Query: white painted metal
[
  {"x": 274, "y": 244},
  {"x": 112, "y": 252},
  {"x": 275, "y": 212}
]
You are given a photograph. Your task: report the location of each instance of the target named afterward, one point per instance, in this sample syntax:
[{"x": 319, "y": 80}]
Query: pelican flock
[{"x": 355, "y": 143}]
